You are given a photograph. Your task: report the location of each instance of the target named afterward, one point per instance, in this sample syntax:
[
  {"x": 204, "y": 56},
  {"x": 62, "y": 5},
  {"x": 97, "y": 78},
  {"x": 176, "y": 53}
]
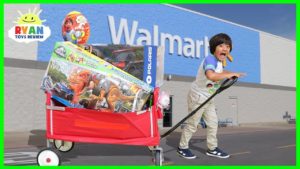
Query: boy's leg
[
  {"x": 211, "y": 119},
  {"x": 189, "y": 129},
  {"x": 194, "y": 100},
  {"x": 187, "y": 133}
]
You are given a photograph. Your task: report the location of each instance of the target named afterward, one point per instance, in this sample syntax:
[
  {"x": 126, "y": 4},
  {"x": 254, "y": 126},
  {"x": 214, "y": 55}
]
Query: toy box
[
  {"x": 77, "y": 78},
  {"x": 144, "y": 62}
]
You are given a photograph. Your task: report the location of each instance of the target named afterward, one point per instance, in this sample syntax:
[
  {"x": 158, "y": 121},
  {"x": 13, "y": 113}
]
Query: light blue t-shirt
[{"x": 202, "y": 85}]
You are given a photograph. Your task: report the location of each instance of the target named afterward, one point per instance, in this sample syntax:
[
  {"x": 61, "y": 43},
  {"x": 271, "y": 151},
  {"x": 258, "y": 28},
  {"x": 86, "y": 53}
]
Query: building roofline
[{"x": 226, "y": 21}]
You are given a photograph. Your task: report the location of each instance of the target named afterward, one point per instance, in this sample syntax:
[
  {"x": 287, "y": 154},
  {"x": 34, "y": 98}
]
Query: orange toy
[{"x": 76, "y": 28}]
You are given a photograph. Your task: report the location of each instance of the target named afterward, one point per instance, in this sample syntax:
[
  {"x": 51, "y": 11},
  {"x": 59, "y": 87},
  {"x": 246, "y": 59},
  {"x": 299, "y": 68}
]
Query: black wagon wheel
[{"x": 63, "y": 146}]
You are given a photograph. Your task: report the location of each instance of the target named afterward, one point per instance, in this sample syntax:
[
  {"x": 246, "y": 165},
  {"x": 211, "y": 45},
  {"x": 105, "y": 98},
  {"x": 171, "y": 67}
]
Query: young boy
[{"x": 209, "y": 75}]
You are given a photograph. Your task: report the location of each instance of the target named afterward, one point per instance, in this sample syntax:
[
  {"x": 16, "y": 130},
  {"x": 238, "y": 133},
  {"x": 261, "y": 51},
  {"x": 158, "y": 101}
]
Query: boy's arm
[
  {"x": 226, "y": 71},
  {"x": 214, "y": 76}
]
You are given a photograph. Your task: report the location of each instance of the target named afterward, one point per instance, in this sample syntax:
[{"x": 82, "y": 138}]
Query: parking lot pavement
[{"x": 256, "y": 144}]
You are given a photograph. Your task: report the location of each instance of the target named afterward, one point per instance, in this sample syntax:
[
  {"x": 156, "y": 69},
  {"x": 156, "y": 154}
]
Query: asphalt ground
[{"x": 247, "y": 145}]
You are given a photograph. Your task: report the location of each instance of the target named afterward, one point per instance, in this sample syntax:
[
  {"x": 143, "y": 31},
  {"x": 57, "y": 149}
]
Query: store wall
[
  {"x": 278, "y": 60},
  {"x": 24, "y": 101},
  {"x": 240, "y": 104}
]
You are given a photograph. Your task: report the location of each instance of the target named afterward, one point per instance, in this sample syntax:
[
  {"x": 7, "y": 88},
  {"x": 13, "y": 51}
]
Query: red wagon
[{"x": 66, "y": 125}]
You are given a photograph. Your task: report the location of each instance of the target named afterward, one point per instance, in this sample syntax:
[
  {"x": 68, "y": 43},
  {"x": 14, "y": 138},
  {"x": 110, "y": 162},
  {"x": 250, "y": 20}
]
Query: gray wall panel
[
  {"x": 254, "y": 104},
  {"x": 278, "y": 60},
  {"x": 24, "y": 101},
  {"x": 13, "y": 49}
]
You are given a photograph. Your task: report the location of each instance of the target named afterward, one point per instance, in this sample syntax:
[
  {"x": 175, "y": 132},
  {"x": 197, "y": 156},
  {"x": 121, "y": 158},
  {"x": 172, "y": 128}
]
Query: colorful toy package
[
  {"x": 77, "y": 78},
  {"x": 144, "y": 62}
]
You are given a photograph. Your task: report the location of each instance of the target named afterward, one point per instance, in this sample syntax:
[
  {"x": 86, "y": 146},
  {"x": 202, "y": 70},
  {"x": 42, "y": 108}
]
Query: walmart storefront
[{"x": 263, "y": 96}]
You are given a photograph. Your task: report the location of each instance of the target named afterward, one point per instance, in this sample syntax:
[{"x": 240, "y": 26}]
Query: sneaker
[
  {"x": 186, "y": 153},
  {"x": 217, "y": 153}
]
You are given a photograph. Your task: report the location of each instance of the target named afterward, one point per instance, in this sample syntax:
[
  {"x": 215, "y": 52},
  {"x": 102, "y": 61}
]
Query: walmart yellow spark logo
[{"x": 29, "y": 27}]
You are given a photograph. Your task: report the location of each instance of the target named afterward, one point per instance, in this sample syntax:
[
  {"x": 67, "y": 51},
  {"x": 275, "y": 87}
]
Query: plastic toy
[{"x": 76, "y": 28}]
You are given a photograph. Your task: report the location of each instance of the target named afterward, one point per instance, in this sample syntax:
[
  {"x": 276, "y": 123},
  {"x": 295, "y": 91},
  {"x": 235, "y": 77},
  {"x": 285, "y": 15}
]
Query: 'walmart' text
[{"x": 185, "y": 46}]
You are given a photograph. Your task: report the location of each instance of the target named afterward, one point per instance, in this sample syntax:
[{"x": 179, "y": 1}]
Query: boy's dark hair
[{"x": 217, "y": 40}]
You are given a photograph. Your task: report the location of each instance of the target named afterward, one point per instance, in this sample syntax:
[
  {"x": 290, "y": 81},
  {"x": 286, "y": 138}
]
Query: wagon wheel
[
  {"x": 157, "y": 157},
  {"x": 48, "y": 157},
  {"x": 63, "y": 146}
]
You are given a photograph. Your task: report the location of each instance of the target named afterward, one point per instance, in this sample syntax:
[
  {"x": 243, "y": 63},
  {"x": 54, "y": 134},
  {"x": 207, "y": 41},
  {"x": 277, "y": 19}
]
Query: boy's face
[{"x": 222, "y": 51}]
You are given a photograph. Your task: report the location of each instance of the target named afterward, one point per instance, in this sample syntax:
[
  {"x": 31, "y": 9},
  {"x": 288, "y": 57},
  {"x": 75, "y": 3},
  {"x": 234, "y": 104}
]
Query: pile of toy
[{"x": 109, "y": 78}]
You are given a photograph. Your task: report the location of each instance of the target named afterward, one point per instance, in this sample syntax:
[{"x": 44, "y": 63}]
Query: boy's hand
[
  {"x": 236, "y": 74},
  {"x": 213, "y": 76}
]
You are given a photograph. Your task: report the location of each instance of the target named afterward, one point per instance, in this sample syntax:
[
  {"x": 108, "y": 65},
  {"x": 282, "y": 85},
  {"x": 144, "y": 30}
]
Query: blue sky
[{"x": 277, "y": 19}]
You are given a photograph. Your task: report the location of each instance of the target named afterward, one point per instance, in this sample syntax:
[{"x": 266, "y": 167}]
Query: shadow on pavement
[{"x": 37, "y": 138}]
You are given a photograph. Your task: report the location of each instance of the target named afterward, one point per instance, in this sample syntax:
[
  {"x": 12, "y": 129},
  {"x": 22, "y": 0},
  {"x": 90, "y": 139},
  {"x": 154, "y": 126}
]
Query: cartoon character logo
[
  {"x": 75, "y": 28},
  {"x": 29, "y": 27},
  {"x": 30, "y": 18}
]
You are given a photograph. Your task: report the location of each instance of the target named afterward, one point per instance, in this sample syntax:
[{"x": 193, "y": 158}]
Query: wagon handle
[{"x": 227, "y": 83}]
